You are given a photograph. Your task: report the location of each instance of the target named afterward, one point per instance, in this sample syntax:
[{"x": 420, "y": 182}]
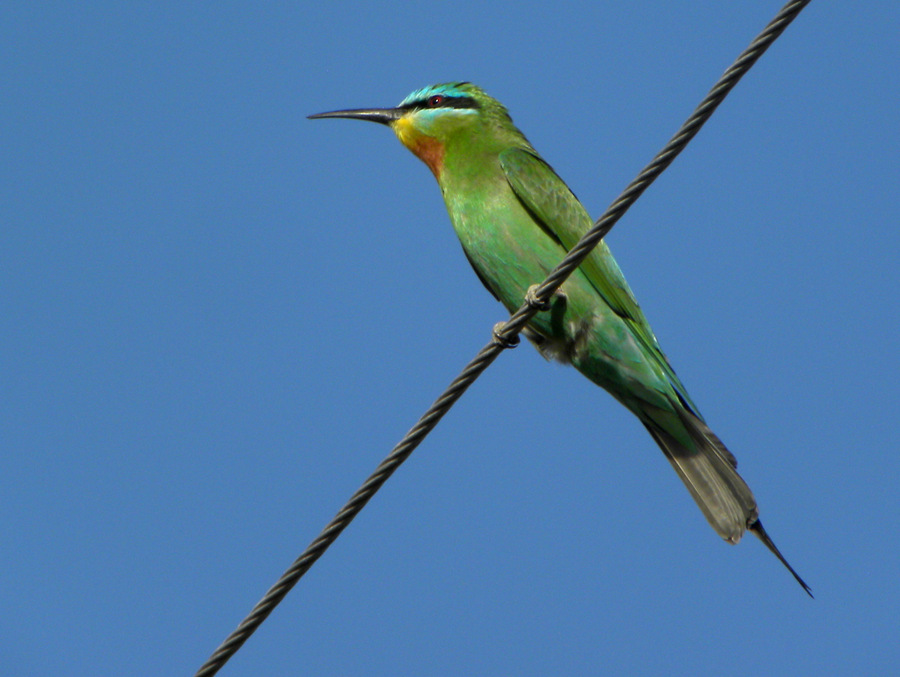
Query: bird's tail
[{"x": 709, "y": 471}]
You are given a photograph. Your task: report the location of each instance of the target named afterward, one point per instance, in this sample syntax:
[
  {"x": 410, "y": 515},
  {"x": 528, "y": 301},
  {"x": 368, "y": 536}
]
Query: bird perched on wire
[{"x": 516, "y": 219}]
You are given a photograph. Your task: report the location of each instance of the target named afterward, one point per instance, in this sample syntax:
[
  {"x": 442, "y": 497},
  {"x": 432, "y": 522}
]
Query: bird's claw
[
  {"x": 531, "y": 298},
  {"x": 504, "y": 341}
]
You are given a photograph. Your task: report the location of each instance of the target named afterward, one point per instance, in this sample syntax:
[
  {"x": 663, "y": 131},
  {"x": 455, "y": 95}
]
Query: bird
[{"x": 516, "y": 219}]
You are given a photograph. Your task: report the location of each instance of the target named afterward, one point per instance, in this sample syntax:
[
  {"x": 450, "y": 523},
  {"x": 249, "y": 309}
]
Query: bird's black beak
[{"x": 385, "y": 116}]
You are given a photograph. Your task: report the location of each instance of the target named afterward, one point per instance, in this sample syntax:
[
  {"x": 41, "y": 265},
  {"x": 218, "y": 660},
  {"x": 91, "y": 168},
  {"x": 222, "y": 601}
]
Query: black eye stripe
[{"x": 444, "y": 102}]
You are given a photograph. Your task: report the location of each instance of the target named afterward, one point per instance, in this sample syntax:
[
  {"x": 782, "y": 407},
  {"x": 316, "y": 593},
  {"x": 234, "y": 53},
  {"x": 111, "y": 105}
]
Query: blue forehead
[{"x": 447, "y": 89}]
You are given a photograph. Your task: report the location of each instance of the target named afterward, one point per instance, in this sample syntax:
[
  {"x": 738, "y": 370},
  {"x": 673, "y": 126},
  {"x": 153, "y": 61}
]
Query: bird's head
[{"x": 431, "y": 119}]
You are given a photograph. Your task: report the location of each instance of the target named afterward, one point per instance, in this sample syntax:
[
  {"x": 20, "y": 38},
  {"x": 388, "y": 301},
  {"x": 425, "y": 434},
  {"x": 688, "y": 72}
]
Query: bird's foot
[
  {"x": 531, "y": 298},
  {"x": 504, "y": 341}
]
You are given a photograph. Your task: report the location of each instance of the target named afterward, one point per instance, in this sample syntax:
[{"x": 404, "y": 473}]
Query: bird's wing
[
  {"x": 563, "y": 217},
  {"x": 560, "y": 213}
]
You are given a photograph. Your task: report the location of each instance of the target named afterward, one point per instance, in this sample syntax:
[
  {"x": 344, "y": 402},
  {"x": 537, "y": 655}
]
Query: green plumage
[{"x": 516, "y": 219}]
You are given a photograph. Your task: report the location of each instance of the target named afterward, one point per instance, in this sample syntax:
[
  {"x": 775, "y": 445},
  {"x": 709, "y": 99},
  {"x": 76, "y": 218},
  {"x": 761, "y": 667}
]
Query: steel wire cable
[{"x": 505, "y": 335}]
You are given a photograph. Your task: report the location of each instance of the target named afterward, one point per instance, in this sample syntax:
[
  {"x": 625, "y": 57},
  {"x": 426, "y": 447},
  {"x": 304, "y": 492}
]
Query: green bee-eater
[{"x": 516, "y": 219}]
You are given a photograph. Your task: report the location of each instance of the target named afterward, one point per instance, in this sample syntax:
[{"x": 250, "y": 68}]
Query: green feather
[{"x": 556, "y": 209}]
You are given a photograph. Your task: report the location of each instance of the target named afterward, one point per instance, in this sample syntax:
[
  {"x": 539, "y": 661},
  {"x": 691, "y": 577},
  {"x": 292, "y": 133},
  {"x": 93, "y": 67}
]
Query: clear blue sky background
[{"x": 218, "y": 317}]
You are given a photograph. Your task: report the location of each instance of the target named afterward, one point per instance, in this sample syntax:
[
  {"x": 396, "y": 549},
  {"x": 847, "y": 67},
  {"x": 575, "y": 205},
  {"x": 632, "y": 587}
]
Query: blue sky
[{"x": 219, "y": 316}]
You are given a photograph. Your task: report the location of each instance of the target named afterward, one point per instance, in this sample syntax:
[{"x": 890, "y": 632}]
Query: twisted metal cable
[
  {"x": 648, "y": 175},
  {"x": 505, "y": 336}
]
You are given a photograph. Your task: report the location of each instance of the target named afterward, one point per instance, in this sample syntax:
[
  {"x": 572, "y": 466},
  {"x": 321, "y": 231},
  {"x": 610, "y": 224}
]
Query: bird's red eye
[{"x": 435, "y": 101}]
